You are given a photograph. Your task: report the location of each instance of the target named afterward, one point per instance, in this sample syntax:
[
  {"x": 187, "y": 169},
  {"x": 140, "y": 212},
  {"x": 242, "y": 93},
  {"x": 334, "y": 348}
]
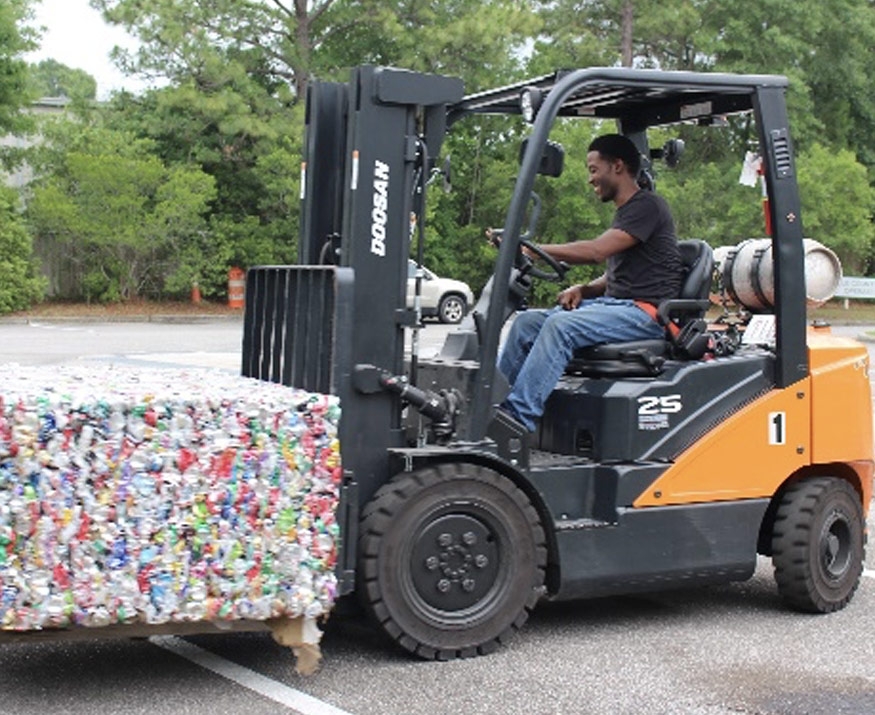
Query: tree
[
  {"x": 274, "y": 39},
  {"x": 248, "y": 142},
  {"x": 16, "y": 38},
  {"x": 19, "y": 284},
  {"x": 285, "y": 42},
  {"x": 125, "y": 223},
  {"x": 837, "y": 204},
  {"x": 50, "y": 78},
  {"x": 481, "y": 42}
]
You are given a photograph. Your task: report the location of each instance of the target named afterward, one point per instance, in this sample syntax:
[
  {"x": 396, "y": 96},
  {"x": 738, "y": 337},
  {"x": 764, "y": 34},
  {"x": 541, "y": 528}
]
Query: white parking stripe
[
  {"x": 869, "y": 572},
  {"x": 283, "y": 694}
]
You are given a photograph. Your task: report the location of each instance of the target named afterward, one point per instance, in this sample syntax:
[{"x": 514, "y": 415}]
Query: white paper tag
[
  {"x": 750, "y": 170},
  {"x": 760, "y": 331}
]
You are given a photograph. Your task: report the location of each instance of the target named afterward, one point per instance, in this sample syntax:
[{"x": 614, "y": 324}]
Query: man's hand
[
  {"x": 493, "y": 235},
  {"x": 570, "y": 297}
]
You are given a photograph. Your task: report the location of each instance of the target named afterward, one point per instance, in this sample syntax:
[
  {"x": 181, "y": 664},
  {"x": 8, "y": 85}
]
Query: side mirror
[
  {"x": 672, "y": 151},
  {"x": 552, "y": 160}
]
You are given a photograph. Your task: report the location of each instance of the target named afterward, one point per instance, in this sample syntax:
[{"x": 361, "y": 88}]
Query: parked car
[{"x": 448, "y": 299}]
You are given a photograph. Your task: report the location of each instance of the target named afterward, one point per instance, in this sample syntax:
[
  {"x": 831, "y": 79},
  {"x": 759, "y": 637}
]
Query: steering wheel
[
  {"x": 524, "y": 264},
  {"x": 559, "y": 268}
]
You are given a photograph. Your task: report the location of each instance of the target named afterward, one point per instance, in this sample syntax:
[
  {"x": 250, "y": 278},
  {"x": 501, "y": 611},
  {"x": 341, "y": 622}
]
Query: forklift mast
[{"x": 368, "y": 147}]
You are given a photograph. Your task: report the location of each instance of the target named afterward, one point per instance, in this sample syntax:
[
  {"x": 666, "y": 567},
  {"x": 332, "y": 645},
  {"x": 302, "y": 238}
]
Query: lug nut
[{"x": 443, "y": 585}]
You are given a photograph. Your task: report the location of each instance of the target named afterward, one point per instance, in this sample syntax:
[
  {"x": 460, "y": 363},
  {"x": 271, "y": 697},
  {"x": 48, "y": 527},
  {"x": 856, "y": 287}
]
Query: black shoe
[{"x": 504, "y": 415}]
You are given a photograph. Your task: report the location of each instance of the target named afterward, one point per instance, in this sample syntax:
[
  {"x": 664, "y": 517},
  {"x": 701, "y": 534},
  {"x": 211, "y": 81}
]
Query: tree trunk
[
  {"x": 302, "y": 38},
  {"x": 627, "y": 23}
]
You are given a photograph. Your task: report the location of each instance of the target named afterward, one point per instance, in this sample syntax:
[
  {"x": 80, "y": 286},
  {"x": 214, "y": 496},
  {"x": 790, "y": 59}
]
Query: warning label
[{"x": 650, "y": 423}]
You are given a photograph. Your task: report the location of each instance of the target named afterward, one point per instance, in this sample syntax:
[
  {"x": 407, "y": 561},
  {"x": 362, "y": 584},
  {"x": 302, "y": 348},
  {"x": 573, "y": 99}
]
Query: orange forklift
[{"x": 656, "y": 465}]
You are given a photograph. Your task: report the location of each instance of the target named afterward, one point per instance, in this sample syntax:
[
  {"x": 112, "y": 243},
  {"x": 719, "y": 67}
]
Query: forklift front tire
[
  {"x": 451, "y": 560},
  {"x": 818, "y": 544}
]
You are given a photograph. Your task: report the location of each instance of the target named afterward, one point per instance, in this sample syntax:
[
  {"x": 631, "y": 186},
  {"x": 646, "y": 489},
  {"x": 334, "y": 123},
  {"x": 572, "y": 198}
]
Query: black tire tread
[
  {"x": 791, "y": 544},
  {"x": 378, "y": 515}
]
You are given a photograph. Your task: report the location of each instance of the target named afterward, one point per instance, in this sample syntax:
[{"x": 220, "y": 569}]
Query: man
[{"x": 643, "y": 264}]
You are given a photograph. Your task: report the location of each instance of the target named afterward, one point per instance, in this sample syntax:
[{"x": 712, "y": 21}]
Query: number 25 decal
[
  {"x": 777, "y": 427},
  {"x": 664, "y": 404}
]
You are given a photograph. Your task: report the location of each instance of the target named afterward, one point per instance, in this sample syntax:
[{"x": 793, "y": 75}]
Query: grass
[
  {"x": 857, "y": 313},
  {"x": 862, "y": 312}
]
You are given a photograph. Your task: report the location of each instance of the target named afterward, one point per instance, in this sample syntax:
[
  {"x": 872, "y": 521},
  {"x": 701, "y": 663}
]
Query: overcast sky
[{"x": 77, "y": 36}]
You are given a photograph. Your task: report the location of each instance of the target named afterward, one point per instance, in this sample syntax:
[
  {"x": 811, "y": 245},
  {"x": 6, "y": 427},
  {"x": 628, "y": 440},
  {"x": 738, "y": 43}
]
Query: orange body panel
[
  {"x": 841, "y": 405},
  {"x": 823, "y": 419},
  {"x": 744, "y": 457}
]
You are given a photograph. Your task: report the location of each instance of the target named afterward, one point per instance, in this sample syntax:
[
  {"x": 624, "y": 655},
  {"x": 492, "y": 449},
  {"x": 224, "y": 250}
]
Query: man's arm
[{"x": 597, "y": 250}]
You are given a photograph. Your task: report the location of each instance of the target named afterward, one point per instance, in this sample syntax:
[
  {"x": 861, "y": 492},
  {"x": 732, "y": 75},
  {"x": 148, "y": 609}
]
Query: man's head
[{"x": 613, "y": 162}]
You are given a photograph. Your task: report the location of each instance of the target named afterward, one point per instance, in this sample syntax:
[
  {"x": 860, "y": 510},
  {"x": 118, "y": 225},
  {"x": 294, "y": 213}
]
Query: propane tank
[{"x": 748, "y": 275}]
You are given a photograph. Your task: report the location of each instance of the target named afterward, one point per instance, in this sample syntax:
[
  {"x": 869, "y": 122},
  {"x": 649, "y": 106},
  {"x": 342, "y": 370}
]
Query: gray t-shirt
[{"x": 651, "y": 269}]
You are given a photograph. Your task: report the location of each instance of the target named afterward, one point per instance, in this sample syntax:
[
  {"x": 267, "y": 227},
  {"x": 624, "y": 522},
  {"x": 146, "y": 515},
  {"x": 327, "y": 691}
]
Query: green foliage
[
  {"x": 208, "y": 166},
  {"x": 16, "y": 38},
  {"x": 124, "y": 221},
  {"x": 50, "y": 78},
  {"x": 837, "y": 203},
  {"x": 478, "y": 41},
  {"x": 707, "y": 202},
  {"x": 19, "y": 284}
]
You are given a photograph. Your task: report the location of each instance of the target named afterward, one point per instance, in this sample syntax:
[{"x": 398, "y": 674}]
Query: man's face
[{"x": 604, "y": 175}]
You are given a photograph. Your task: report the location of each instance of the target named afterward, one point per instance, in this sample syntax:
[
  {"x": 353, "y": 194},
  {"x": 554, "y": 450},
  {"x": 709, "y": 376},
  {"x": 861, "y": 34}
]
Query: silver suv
[{"x": 446, "y": 298}]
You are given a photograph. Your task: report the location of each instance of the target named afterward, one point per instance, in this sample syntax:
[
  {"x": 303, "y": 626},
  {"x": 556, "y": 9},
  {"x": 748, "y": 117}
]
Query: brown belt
[{"x": 650, "y": 309}]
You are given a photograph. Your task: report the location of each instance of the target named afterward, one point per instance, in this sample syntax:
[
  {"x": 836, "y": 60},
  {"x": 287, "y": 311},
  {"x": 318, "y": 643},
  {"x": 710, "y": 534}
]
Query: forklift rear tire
[
  {"x": 818, "y": 544},
  {"x": 452, "y": 309},
  {"x": 451, "y": 560}
]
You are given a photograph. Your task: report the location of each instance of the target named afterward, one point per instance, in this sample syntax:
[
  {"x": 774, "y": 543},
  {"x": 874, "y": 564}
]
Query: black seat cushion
[
  {"x": 639, "y": 358},
  {"x": 622, "y": 351}
]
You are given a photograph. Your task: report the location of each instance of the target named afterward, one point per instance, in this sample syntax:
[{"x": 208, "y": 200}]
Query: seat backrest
[{"x": 698, "y": 263}]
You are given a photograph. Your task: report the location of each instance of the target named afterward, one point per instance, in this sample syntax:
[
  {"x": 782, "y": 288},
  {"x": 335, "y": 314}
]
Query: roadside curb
[{"x": 91, "y": 319}]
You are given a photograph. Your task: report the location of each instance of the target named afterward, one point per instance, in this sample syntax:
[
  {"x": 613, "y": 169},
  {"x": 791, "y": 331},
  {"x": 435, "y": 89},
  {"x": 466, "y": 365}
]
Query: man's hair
[{"x": 616, "y": 146}]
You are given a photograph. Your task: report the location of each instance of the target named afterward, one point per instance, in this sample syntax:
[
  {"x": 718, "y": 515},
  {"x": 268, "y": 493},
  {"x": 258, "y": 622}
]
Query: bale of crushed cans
[{"x": 162, "y": 496}]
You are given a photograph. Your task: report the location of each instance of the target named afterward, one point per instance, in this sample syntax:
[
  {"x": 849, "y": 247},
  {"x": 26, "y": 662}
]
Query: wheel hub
[
  {"x": 835, "y": 546},
  {"x": 455, "y": 562}
]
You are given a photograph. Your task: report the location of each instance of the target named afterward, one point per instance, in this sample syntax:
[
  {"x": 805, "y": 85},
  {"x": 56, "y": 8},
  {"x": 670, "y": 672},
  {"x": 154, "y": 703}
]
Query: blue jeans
[{"x": 541, "y": 343}]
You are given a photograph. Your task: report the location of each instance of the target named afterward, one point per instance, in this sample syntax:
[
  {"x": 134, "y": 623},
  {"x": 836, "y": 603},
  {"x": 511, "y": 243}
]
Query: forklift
[{"x": 655, "y": 466}]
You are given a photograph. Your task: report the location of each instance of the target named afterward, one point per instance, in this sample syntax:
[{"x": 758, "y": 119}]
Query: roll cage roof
[{"x": 636, "y": 98}]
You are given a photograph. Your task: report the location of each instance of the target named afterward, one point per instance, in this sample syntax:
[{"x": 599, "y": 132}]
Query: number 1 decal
[{"x": 777, "y": 428}]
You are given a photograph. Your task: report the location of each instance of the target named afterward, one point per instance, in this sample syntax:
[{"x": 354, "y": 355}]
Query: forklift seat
[{"x": 685, "y": 329}]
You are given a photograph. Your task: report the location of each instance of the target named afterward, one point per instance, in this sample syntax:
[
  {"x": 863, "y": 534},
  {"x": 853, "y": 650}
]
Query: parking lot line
[
  {"x": 869, "y": 572},
  {"x": 276, "y": 691}
]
